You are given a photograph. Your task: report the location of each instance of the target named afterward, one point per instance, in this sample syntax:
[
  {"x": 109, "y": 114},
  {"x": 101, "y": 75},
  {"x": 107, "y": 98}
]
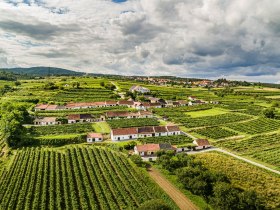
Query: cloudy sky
[{"x": 237, "y": 39}]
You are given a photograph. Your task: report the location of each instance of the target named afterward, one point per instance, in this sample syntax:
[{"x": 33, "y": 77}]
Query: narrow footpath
[{"x": 176, "y": 195}]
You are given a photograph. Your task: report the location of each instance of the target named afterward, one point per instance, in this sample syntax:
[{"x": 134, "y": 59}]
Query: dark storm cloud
[{"x": 39, "y": 31}]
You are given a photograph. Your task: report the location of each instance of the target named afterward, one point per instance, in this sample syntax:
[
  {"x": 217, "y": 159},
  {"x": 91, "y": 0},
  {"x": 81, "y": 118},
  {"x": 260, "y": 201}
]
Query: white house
[
  {"x": 173, "y": 130},
  {"x": 79, "y": 118},
  {"x": 128, "y": 115},
  {"x": 122, "y": 134},
  {"x": 201, "y": 143},
  {"x": 94, "y": 137},
  {"x": 139, "y": 89},
  {"x": 46, "y": 121},
  {"x": 148, "y": 151}
]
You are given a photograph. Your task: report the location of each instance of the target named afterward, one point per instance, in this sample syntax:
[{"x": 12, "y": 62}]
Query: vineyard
[
  {"x": 215, "y": 132},
  {"x": 213, "y": 120},
  {"x": 245, "y": 175},
  {"x": 174, "y": 140},
  {"x": 79, "y": 178},
  {"x": 61, "y": 129},
  {"x": 262, "y": 147},
  {"x": 126, "y": 123},
  {"x": 256, "y": 126}
]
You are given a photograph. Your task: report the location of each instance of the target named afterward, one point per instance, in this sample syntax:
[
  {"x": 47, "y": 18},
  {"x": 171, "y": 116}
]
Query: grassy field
[
  {"x": 209, "y": 112},
  {"x": 237, "y": 115},
  {"x": 245, "y": 176},
  {"x": 101, "y": 127}
]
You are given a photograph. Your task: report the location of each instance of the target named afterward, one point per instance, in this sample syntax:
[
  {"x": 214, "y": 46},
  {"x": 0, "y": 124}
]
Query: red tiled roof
[
  {"x": 124, "y": 102},
  {"x": 173, "y": 128},
  {"x": 41, "y": 106},
  {"x": 94, "y": 135},
  {"x": 46, "y": 119},
  {"x": 124, "y": 131},
  {"x": 79, "y": 116},
  {"x": 146, "y": 130},
  {"x": 160, "y": 129},
  {"x": 202, "y": 142},
  {"x": 118, "y": 114},
  {"x": 145, "y": 113},
  {"x": 148, "y": 147},
  {"x": 111, "y": 102},
  {"x": 51, "y": 107}
]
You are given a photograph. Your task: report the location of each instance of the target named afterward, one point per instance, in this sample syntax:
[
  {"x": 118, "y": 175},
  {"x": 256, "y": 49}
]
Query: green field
[
  {"x": 78, "y": 178},
  {"x": 209, "y": 112},
  {"x": 52, "y": 167}
]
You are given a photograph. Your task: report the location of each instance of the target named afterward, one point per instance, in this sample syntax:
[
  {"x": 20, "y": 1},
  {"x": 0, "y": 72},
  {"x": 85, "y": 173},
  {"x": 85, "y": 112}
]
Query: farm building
[
  {"x": 192, "y": 98},
  {"x": 49, "y": 107},
  {"x": 183, "y": 102},
  {"x": 129, "y": 104},
  {"x": 125, "y": 114},
  {"x": 148, "y": 151},
  {"x": 79, "y": 118},
  {"x": 139, "y": 89},
  {"x": 46, "y": 121},
  {"x": 201, "y": 143},
  {"x": 94, "y": 137},
  {"x": 143, "y": 132}
]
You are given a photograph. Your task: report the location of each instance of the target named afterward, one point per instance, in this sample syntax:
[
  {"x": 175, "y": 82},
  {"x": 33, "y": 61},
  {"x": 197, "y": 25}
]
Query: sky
[{"x": 234, "y": 39}]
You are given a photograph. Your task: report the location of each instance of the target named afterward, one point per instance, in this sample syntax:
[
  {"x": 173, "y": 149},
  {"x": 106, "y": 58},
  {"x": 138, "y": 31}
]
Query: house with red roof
[
  {"x": 80, "y": 118},
  {"x": 122, "y": 134},
  {"x": 46, "y": 121},
  {"x": 201, "y": 144},
  {"x": 148, "y": 152},
  {"x": 94, "y": 137}
]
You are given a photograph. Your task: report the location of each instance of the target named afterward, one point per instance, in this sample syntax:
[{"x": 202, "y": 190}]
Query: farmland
[
  {"x": 265, "y": 147},
  {"x": 77, "y": 178},
  {"x": 53, "y": 167},
  {"x": 260, "y": 125},
  {"x": 215, "y": 132},
  {"x": 245, "y": 176},
  {"x": 125, "y": 123}
]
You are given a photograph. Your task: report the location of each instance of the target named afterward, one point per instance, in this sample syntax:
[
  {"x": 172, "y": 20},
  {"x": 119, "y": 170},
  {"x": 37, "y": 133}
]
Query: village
[{"x": 139, "y": 110}]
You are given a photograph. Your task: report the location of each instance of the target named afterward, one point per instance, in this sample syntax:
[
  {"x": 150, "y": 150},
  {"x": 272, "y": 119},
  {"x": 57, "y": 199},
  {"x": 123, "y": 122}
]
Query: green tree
[{"x": 269, "y": 113}]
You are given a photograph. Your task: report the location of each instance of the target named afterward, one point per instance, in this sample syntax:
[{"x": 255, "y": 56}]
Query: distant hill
[{"x": 42, "y": 71}]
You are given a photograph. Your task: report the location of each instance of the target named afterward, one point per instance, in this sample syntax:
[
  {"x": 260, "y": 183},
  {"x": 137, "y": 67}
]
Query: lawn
[
  {"x": 208, "y": 112},
  {"x": 101, "y": 127}
]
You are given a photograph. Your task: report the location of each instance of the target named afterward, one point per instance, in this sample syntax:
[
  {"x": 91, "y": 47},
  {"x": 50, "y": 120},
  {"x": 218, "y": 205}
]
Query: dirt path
[{"x": 179, "y": 198}]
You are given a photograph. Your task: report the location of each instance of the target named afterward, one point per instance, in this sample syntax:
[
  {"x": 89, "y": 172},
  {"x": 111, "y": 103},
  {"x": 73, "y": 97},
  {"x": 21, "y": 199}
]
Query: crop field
[
  {"x": 79, "y": 178},
  {"x": 215, "y": 132},
  {"x": 265, "y": 148},
  {"x": 89, "y": 90},
  {"x": 212, "y": 120},
  {"x": 125, "y": 123},
  {"x": 96, "y": 111},
  {"x": 178, "y": 112},
  {"x": 61, "y": 129},
  {"x": 173, "y": 140},
  {"x": 207, "y": 112},
  {"x": 245, "y": 176},
  {"x": 260, "y": 125}
]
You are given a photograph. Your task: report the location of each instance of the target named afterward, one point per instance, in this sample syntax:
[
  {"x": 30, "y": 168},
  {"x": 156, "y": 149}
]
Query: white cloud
[{"x": 204, "y": 38}]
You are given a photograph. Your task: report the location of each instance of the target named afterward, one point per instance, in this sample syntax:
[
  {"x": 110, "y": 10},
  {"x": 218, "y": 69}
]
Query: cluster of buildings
[
  {"x": 123, "y": 134},
  {"x": 148, "y": 152}
]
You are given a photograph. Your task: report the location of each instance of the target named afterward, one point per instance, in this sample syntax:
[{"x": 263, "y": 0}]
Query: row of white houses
[{"x": 122, "y": 134}]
